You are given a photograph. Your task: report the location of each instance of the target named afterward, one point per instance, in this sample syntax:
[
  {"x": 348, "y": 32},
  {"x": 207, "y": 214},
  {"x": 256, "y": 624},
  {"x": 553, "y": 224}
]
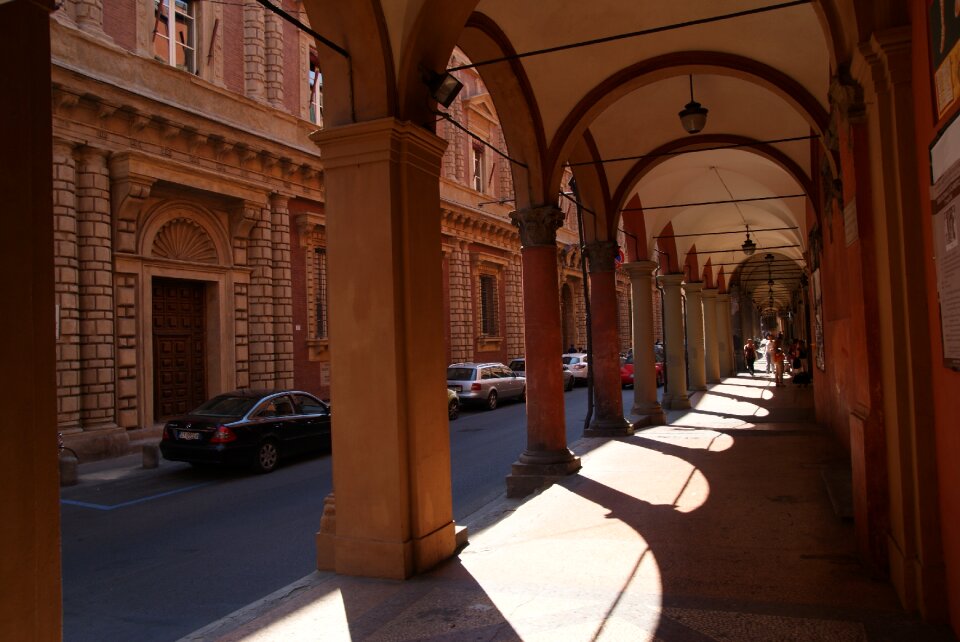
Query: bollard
[
  {"x": 151, "y": 456},
  {"x": 68, "y": 468}
]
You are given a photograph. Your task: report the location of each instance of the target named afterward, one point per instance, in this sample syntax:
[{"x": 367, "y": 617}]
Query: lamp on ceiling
[
  {"x": 443, "y": 87},
  {"x": 693, "y": 117},
  {"x": 748, "y": 247}
]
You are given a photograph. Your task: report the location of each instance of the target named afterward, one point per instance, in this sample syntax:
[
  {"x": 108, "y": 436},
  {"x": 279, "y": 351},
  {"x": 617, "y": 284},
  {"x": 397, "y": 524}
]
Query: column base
[
  {"x": 652, "y": 411},
  {"x": 612, "y": 427},
  {"x": 676, "y": 402},
  {"x": 526, "y": 478},
  {"x": 697, "y": 388}
]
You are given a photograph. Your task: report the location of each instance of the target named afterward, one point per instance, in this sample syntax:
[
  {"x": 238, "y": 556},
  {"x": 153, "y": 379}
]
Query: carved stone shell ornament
[{"x": 184, "y": 240}]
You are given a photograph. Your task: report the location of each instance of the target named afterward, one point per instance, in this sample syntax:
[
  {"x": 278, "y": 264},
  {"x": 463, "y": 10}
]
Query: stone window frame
[
  {"x": 313, "y": 237},
  {"x": 479, "y": 167},
  {"x": 489, "y": 266},
  {"x": 192, "y": 41}
]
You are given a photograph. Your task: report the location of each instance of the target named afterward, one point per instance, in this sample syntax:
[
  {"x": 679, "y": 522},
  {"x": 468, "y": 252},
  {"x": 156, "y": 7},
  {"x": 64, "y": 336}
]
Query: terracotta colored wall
[
  {"x": 294, "y": 78},
  {"x": 232, "y": 25},
  {"x": 120, "y": 22},
  {"x": 946, "y": 383}
]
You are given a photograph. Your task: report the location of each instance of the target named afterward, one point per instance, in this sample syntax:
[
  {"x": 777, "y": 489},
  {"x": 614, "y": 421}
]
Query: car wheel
[
  {"x": 453, "y": 410},
  {"x": 492, "y": 400},
  {"x": 267, "y": 457},
  {"x": 569, "y": 385}
]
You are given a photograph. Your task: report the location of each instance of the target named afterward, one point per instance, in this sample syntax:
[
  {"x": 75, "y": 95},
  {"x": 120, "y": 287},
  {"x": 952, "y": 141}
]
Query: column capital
[
  {"x": 376, "y": 141},
  {"x": 93, "y": 155},
  {"x": 279, "y": 201},
  {"x": 601, "y": 256},
  {"x": 695, "y": 287},
  {"x": 538, "y": 225},
  {"x": 709, "y": 293},
  {"x": 670, "y": 280},
  {"x": 639, "y": 268}
]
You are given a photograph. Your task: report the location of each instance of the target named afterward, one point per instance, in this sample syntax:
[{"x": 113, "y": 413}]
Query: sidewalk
[{"x": 715, "y": 527}]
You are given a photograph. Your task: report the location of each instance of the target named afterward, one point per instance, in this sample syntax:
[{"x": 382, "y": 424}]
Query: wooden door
[{"x": 178, "y": 346}]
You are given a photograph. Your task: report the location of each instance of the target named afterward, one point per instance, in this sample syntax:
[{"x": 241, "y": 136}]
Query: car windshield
[
  {"x": 459, "y": 374},
  {"x": 569, "y": 360},
  {"x": 225, "y": 406}
]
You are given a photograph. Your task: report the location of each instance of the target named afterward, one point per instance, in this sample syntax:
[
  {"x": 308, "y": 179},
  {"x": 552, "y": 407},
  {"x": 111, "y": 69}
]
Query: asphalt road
[{"x": 154, "y": 555}]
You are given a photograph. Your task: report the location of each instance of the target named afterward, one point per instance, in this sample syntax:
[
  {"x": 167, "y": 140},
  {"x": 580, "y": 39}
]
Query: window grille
[
  {"x": 315, "y": 80},
  {"x": 321, "y": 292},
  {"x": 489, "y": 326}
]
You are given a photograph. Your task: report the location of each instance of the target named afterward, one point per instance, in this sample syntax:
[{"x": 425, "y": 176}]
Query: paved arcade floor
[{"x": 715, "y": 527}]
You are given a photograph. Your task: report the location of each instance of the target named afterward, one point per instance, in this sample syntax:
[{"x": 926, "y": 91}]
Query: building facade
[{"x": 189, "y": 217}]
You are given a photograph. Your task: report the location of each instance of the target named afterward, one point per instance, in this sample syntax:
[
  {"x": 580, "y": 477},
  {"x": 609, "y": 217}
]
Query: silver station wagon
[{"x": 485, "y": 383}]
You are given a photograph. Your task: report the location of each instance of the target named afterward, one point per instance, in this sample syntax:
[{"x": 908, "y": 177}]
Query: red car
[{"x": 626, "y": 372}]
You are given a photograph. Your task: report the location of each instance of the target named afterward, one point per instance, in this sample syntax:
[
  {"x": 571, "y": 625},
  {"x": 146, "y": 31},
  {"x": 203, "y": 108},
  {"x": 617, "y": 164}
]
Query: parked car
[
  {"x": 626, "y": 372},
  {"x": 485, "y": 383},
  {"x": 578, "y": 364},
  {"x": 519, "y": 368},
  {"x": 453, "y": 405},
  {"x": 250, "y": 427}
]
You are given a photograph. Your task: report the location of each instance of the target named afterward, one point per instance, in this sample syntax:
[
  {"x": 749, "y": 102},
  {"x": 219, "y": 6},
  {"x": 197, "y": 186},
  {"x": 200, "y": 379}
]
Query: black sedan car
[{"x": 249, "y": 427}]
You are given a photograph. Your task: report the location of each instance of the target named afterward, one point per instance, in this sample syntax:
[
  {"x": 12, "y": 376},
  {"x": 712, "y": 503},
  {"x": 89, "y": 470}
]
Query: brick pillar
[
  {"x": 274, "y": 59},
  {"x": 461, "y": 304},
  {"x": 282, "y": 292},
  {"x": 695, "y": 343},
  {"x": 711, "y": 355},
  {"x": 67, "y": 286},
  {"x": 253, "y": 51},
  {"x": 644, "y": 376},
  {"x": 262, "y": 336},
  {"x": 514, "y": 285},
  {"x": 608, "y": 420},
  {"x": 393, "y": 506},
  {"x": 675, "y": 396},
  {"x": 128, "y": 370},
  {"x": 547, "y": 457},
  {"x": 98, "y": 368}
]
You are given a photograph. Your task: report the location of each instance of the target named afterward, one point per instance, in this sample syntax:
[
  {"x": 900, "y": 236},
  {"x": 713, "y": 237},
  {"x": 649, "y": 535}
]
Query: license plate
[{"x": 188, "y": 436}]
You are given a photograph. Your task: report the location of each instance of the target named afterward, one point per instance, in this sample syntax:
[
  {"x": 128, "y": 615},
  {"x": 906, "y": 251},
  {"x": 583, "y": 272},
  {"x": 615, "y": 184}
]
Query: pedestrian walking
[
  {"x": 749, "y": 355},
  {"x": 778, "y": 358}
]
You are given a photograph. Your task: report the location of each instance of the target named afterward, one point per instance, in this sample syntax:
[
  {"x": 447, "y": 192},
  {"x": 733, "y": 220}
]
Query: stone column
[
  {"x": 675, "y": 396},
  {"x": 88, "y": 14},
  {"x": 262, "y": 337},
  {"x": 393, "y": 505},
  {"x": 724, "y": 335},
  {"x": 711, "y": 354},
  {"x": 695, "y": 333},
  {"x": 461, "y": 304},
  {"x": 514, "y": 296},
  {"x": 95, "y": 253},
  {"x": 282, "y": 292},
  {"x": 547, "y": 457},
  {"x": 254, "y": 73},
  {"x": 273, "y": 59},
  {"x": 608, "y": 420},
  {"x": 67, "y": 285},
  {"x": 644, "y": 377}
]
